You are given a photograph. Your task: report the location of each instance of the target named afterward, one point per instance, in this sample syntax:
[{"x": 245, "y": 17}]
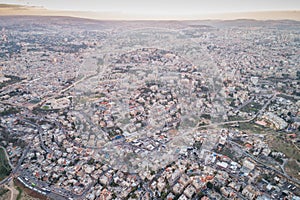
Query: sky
[{"x": 163, "y": 7}]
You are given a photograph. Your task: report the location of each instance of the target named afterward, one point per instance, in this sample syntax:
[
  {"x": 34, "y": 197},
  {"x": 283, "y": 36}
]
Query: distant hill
[
  {"x": 30, "y": 23},
  {"x": 8, "y": 9}
]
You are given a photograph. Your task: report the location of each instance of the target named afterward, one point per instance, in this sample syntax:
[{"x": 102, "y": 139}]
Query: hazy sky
[{"x": 163, "y": 7}]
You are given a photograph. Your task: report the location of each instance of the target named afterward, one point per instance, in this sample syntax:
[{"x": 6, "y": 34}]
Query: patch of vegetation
[
  {"x": 206, "y": 116},
  {"x": 34, "y": 101},
  {"x": 9, "y": 111},
  {"x": 99, "y": 95},
  {"x": 279, "y": 144},
  {"x": 293, "y": 168},
  {"x": 229, "y": 100},
  {"x": 91, "y": 161},
  {"x": 248, "y": 126},
  {"x": 114, "y": 131},
  {"x": 230, "y": 153},
  {"x": 251, "y": 107},
  {"x": 197, "y": 145},
  {"x": 114, "y": 184},
  {"x": 13, "y": 80},
  {"x": 45, "y": 107},
  {"x": 164, "y": 195},
  {"x": 3, "y": 191},
  {"x": 20, "y": 193},
  {"x": 4, "y": 166},
  {"x": 9, "y": 138},
  {"x": 235, "y": 118}
]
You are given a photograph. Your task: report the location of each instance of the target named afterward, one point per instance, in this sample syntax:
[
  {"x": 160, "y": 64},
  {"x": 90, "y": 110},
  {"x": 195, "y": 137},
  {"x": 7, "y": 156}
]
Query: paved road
[{"x": 4, "y": 181}]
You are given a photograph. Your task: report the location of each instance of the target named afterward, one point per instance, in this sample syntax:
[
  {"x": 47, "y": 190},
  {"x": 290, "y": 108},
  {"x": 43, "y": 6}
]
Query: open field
[
  {"x": 278, "y": 144},
  {"x": 292, "y": 167}
]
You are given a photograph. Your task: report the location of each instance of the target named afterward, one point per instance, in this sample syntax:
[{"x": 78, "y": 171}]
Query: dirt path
[{"x": 13, "y": 192}]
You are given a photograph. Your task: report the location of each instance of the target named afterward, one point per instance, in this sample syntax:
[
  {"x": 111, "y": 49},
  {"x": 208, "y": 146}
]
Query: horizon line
[{"x": 23, "y": 10}]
